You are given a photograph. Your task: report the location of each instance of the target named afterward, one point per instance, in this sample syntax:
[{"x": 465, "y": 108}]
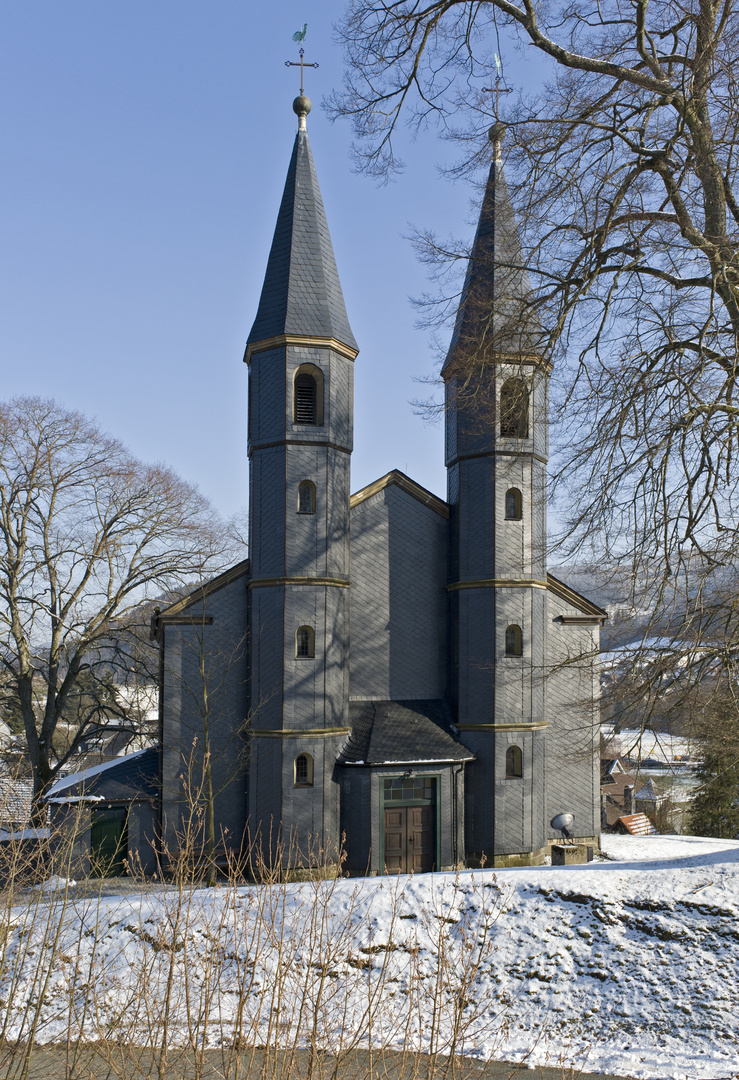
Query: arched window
[
  {"x": 305, "y": 643},
  {"x": 306, "y": 497},
  {"x": 514, "y": 409},
  {"x": 513, "y": 505},
  {"x": 513, "y": 762},
  {"x": 303, "y": 770},
  {"x": 308, "y": 395},
  {"x": 513, "y": 641}
]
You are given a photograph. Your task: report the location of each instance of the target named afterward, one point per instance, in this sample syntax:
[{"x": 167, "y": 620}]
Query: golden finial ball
[{"x": 301, "y": 105}]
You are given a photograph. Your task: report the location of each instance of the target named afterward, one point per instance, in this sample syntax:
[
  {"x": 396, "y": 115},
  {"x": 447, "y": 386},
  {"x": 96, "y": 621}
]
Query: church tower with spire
[
  {"x": 300, "y": 354},
  {"x": 496, "y": 455},
  {"x": 448, "y": 714}
]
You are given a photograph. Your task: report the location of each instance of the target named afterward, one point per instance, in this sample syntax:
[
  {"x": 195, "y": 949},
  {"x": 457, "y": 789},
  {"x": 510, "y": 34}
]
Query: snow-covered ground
[
  {"x": 656, "y": 745},
  {"x": 629, "y": 965}
]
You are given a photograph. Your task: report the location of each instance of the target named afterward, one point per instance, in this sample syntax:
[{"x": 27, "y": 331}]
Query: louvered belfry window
[
  {"x": 514, "y": 409},
  {"x": 305, "y": 399}
]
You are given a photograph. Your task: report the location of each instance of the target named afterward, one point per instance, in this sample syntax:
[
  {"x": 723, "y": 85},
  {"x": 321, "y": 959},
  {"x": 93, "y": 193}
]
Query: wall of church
[
  {"x": 573, "y": 774},
  {"x": 504, "y": 814},
  {"x": 520, "y": 684},
  {"x": 316, "y": 689},
  {"x": 205, "y": 656},
  {"x": 398, "y": 598},
  {"x": 299, "y": 822},
  {"x": 267, "y": 527}
]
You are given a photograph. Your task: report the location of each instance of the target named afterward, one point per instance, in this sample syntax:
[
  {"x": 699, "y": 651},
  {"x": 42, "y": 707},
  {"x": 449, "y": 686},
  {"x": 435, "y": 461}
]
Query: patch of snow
[
  {"x": 626, "y": 965},
  {"x": 56, "y": 884},
  {"x": 640, "y": 745},
  {"x": 62, "y": 799},
  {"x": 24, "y": 834},
  {"x": 416, "y": 761}
]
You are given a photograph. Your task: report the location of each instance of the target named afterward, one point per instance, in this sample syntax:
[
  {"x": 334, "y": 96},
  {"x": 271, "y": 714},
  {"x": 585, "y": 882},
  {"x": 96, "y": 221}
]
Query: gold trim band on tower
[
  {"x": 536, "y": 725},
  {"x": 499, "y": 583},
  {"x": 291, "y": 733},
  {"x": 263, "y": 583},
  {"x": 300, "y": 339}
]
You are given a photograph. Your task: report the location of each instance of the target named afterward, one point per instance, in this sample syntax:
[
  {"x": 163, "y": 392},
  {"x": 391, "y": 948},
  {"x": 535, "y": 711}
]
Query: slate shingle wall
[
  {"x": 221, "y": 647},
  {"x": 313, "y": 812},
  {"x": 573, "y": 780},
  {"x": 267, "y": 648},
  {"x": 476, "y": 647},
  {"x": 316, "y": 688},
  {"x": 267, "y": 396},
  {"x": 356, "y": 818},
  {"x": 370, "y": 600},
  {"x": 265, "y": 794},
  {"x": 399, "y": 559},
  {"x": 306, "y": 533},
  {"x": 267, "y": 520},
  {"x": 337, "y": 516}
]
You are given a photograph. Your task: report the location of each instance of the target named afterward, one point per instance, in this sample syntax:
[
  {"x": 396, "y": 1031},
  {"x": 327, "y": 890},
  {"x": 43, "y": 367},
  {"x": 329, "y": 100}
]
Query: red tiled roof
[{"x": 637, "y": 825}]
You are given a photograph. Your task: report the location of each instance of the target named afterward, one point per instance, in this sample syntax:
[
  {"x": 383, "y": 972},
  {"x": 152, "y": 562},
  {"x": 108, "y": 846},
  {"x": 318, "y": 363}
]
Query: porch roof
[{"x": 413, "y": 732}]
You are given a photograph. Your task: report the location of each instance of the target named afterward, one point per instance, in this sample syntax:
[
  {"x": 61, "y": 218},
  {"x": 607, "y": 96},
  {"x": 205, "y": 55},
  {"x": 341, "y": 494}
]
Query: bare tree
[
  {"x": 88, "y": 536},
  {"x": 624, "y": 169},
  {"x": 623, "y": 174}
]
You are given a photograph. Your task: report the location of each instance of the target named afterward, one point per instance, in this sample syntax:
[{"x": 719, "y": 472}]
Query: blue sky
[{"x": 144, "y": 149}]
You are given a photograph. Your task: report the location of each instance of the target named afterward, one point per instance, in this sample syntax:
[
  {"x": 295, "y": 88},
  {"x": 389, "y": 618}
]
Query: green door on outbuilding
[{"x": 109, "y": 841}]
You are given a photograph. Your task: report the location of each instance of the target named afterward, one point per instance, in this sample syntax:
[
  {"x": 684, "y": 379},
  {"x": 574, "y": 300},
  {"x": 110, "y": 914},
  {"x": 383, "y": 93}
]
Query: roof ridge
[{"x": 407, "y": 484}]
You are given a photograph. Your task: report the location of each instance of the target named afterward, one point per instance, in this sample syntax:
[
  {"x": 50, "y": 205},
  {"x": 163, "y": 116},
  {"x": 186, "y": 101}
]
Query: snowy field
[
  {"x": 629, "y": 965},
  {"x": 656, "y": 745}
]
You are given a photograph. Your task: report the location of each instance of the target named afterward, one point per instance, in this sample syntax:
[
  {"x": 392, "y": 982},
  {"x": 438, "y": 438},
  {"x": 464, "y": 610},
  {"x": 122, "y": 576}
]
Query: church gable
[{"x": 398, "y": 613}]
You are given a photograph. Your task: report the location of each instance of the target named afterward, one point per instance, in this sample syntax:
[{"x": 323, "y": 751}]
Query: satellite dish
[{"x": 562, "y": 822}]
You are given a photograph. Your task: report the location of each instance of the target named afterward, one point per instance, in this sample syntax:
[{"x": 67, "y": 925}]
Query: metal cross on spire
[
  {"x": 299, "y": 35},
  {"x": 497, "y": 90}
]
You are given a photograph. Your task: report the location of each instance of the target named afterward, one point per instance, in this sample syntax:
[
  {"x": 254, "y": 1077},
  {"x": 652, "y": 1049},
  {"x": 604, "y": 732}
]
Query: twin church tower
[{"x": 394, "y": 672}]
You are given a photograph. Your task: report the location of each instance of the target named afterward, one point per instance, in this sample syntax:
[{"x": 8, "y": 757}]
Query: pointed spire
[
  {"x": 494, "y": 317},
  {"x": 301, "y": 294}
]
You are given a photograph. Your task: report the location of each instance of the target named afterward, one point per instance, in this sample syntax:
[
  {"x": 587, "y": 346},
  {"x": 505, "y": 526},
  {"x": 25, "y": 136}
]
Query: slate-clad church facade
[{"x": 387, "y": 668}]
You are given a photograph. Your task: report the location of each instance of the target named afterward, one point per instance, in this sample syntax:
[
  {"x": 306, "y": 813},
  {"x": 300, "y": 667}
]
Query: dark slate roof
[
  {"x": 135, "y": 776},
  {"x": 401, "y": 732},
  {"x": 302, "y": 292},
  {"x": 494, "y": 314}
]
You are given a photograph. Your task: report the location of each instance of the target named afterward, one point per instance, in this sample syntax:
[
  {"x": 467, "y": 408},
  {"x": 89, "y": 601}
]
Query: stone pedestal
[{"x": 570, "y": 854}]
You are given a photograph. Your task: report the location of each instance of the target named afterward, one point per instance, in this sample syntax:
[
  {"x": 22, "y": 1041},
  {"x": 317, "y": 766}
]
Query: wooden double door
[{"x": 409, "y": 839}]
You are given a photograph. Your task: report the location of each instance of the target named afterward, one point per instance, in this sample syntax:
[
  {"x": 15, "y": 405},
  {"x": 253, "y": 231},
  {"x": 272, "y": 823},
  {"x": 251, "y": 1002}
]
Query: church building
[{"x": 388, "y": 671}]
